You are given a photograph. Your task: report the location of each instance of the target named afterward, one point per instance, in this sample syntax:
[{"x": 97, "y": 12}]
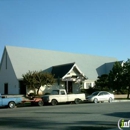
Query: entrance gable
[{"x": 74, "y": 73}]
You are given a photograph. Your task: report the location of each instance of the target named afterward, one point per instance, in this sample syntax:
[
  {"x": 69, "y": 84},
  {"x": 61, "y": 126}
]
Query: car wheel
[
  {"x": 40, "y": 103},
  {"x": 77, "y": 101},
  {"x": 54, "y": 102},
  {"x": 110, "y": 100},
  {"x": 95, "y": 100},
  {"x": 11, "y": 104}
]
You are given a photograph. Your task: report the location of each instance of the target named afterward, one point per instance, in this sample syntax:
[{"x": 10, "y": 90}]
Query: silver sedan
[{"x": 100, "y": 96}]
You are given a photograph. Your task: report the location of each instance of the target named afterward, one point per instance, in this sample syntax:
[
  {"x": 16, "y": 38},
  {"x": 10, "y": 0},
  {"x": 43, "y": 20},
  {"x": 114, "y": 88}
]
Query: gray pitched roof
[{"x": 25, "y": 59}]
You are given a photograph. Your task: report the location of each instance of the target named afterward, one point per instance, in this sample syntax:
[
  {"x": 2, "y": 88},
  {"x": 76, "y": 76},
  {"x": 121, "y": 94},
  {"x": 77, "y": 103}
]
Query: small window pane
[{"x": 62, "y": 93}]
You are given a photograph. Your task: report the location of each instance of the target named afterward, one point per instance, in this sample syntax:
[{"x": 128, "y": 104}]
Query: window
[
  {"x": 95, "y": 93},
  {"x": 6, "y": 88},
  {"x": 105, "y": 93},
  {"x": 101, "y": 94},
  {"x": 62, "y": 93}
]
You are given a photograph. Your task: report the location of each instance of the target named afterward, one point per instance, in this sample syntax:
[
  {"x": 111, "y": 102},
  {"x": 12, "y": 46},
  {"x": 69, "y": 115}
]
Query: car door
[
  {"x": 106, "y": 96},
  {"x": 101, "y": 96},
  {"x": 63, "y": 96}
]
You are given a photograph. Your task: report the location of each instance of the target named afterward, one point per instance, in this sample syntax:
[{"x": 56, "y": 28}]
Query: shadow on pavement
[
  {"x": 38, "y": 123},
  {"x": 88, "y": 128},
  {"x": 120, "y": 114}
]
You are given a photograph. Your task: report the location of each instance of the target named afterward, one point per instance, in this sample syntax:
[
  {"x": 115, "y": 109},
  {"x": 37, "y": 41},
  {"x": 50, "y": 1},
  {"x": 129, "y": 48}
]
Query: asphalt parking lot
[{"x": 101, "y": 116}]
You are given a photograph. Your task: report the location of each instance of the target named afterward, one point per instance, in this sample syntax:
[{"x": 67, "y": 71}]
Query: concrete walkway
[{"x": 121, "y": 100}]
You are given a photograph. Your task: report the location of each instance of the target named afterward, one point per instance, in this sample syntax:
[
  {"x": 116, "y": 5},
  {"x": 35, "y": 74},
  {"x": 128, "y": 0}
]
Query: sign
[{"x": 123, "y": 124}]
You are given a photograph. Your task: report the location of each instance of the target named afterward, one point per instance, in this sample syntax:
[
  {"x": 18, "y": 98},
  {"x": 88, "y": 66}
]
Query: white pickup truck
[{"x": 60, "y": 96}]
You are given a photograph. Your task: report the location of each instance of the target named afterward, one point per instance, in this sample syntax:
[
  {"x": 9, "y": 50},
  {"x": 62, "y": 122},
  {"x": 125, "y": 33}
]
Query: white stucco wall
[
  {"x": 7, "y": 75},
  {"x": 88, "y": 83}
]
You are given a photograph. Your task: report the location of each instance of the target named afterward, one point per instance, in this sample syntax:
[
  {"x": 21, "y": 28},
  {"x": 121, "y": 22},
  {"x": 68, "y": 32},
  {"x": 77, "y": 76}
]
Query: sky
[{"x": 94, "y": 27}]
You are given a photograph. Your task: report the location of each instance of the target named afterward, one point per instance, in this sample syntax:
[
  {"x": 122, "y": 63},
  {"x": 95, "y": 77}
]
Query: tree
[
  {"x": 35, "y": 79},
  {"x": 29, "y": 80},
  {"x": 115, "y": 77},
  {"x": 126, "y": 76},
  {"x": 102, "y": 82},
  {"x": 112, "y": 81}
]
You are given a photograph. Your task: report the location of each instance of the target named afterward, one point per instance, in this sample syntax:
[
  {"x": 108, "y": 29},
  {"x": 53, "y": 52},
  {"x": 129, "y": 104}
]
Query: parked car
[
  {"x": 100, "y": 96},
  {"x": 60, "y": 96},
  {"x": 9, "y": 101}
]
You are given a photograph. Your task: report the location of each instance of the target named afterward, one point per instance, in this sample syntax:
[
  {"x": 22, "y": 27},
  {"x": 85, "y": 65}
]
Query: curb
[{"x": 121, "y": 101}]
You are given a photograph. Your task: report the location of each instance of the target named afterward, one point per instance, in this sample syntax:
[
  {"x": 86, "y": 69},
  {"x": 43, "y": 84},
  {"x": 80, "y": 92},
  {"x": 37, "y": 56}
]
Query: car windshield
[{"x": 95, "y": 93}]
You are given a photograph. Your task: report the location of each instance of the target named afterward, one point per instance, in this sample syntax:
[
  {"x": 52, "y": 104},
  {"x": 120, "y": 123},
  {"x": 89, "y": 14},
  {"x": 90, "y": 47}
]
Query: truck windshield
[{"x": 55, "y": 92}]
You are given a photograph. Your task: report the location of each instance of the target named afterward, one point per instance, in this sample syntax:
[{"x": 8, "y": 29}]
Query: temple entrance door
[
  {"x": 69, "y": 88},
  {"x": 22, "y": 88}
]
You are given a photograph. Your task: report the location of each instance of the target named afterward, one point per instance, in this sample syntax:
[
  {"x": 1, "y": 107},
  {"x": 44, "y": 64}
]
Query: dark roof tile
[{"x": 60, "y": 70}]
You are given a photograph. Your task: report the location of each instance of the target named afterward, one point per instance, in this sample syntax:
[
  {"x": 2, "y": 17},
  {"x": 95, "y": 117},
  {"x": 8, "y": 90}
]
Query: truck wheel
[
  {"x": 40, "y": 103},
  {"x": 11, "y": 104},
  {"x": 54, "y": 102},
  {"x": 77, "y": 101}
]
